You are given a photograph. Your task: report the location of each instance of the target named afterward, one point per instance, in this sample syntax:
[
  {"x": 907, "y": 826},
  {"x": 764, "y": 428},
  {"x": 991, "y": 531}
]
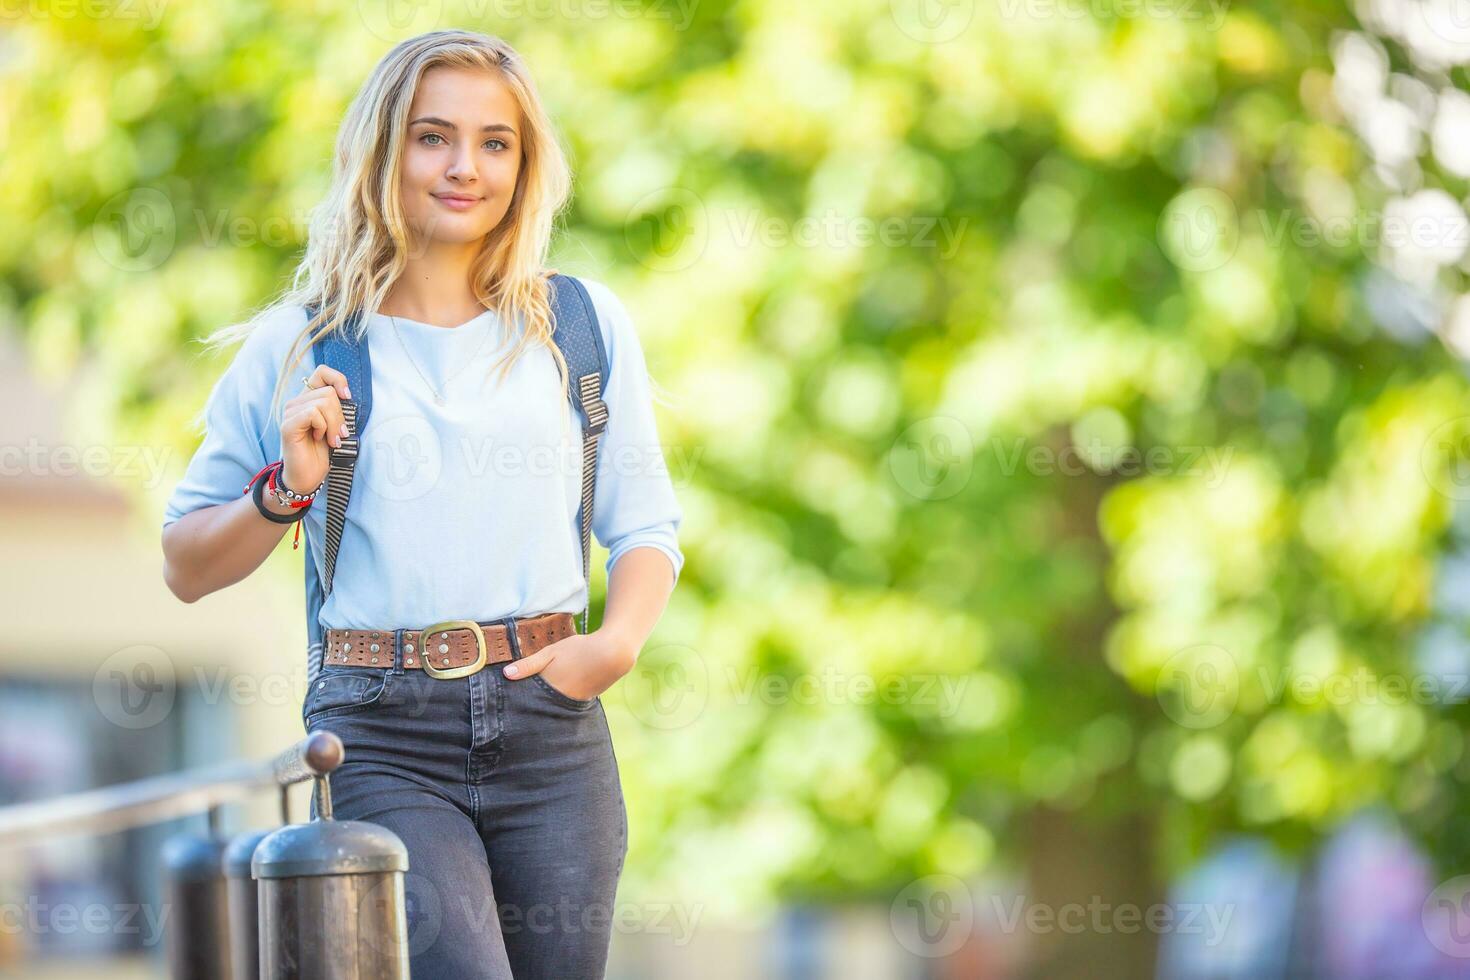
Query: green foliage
[{"x": 923, "y": 304}]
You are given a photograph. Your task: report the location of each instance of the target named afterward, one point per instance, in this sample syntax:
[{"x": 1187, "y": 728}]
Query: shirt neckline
[{"x": 468, "y": 326}]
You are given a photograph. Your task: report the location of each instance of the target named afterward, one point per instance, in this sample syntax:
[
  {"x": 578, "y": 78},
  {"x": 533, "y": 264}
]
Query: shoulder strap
[
  {"x": 579, "y": 338},
  {"x": 345, "y": 352}
]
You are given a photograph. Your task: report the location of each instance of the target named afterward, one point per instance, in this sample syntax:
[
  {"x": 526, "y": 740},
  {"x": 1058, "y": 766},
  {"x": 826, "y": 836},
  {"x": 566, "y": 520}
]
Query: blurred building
[{"x": 106, "y": 677}]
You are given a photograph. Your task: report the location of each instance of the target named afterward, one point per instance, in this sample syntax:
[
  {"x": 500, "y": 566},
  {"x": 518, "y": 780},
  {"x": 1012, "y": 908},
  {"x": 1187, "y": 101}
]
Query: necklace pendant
[{"x": 438, "y": 398}]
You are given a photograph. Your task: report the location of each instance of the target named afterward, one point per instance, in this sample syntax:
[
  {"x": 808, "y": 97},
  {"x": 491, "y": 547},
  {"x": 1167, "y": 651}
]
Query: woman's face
[{"x": 462, "y": 156}]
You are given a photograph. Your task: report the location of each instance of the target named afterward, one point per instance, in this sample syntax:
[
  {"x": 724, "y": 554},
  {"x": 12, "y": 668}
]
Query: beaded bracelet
[
  {"x": 300, "y": 504},
  {"x": 284, "y": 494}
]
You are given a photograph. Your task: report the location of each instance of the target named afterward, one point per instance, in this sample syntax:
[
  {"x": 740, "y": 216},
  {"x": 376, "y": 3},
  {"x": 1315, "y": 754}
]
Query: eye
[
  {"x": 428, "y": 136},
  {"x": 502, "y": 143}
]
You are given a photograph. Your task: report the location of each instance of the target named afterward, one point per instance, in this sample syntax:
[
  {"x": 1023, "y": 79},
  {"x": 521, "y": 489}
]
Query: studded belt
[{"x": 454, "y": 648}]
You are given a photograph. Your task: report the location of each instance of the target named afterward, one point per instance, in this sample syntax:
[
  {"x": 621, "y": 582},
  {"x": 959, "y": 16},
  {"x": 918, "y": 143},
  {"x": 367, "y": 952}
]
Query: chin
[
  {"x": 453, "y": 232},
  {"x": 470, "y": 235}
]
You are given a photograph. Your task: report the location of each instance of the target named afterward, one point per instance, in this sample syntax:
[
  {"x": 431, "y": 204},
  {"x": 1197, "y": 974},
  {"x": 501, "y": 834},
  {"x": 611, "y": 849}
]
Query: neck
[{"x": 435, "y": 286}]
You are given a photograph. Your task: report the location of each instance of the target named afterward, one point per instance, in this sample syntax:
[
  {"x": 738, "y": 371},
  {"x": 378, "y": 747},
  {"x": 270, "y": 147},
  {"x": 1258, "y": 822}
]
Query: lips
[{"x": 459, "y": 202}]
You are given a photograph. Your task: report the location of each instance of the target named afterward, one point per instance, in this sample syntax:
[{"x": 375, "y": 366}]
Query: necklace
[{"x": 438, "y": 392}]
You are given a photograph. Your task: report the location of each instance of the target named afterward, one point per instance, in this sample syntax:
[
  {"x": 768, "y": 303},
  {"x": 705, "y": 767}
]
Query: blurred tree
[{"x": 1066, "y": 443}]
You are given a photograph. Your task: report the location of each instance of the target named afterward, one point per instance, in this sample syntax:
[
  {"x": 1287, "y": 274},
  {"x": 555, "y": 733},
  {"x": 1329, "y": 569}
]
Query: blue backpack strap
[
  {"x": 343, "y": 351},
  {"x": 579, "y": 338}
]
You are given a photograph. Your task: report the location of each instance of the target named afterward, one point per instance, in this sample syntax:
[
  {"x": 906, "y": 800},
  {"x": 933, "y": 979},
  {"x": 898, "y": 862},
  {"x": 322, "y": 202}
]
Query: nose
[{"x": 462, "y": 165}]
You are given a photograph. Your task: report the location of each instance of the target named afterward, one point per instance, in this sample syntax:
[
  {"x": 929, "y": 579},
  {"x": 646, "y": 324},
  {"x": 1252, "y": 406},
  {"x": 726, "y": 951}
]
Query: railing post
[
  {"x": 197, "y": 936},
  {"x": 331, "y": 898},
  {"x": 244, "y": 905},
  {"x": 333, "y": 891}
]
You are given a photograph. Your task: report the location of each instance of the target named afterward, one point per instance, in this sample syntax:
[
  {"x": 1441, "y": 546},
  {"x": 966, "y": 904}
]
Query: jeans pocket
[
  {"x": 575, "y": 703},
  {"x": 343, "y": 691}
]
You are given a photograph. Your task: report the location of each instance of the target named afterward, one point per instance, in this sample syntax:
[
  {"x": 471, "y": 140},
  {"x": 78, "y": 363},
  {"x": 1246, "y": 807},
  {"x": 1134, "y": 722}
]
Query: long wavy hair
[{"x": 358, "y": 241}]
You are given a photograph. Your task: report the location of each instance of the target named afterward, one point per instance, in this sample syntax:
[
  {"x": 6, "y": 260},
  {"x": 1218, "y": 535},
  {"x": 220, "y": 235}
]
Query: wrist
[
  {"x": 284, "y": 495},
  {"x": 621, "y": 646},
  {"x": 286, "y": 480},
  {"x": 269, "y": 501},
  {"x": 276, "y": 505}
]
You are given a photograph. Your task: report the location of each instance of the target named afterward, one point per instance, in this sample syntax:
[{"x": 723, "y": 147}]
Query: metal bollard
[
  {"x": 331, "y": 900},
  {"x": 244, "y": 904},
  {"x": 198, "y": 929}
]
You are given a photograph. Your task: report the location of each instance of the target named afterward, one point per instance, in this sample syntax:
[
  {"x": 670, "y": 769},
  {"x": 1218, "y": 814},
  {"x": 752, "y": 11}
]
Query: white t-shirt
[{"x": 465, "y": 510}]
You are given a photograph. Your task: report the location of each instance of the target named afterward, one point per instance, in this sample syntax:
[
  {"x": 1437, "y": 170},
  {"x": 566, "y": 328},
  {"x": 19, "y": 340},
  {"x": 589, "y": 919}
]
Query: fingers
[
  {"x": 325, "y": 399},
  {"x": 534, "y": 664},
  {"x": 322, "y": 418},
  {"x": 325, "y": 376},
  {"x": 316, "y": 419}
]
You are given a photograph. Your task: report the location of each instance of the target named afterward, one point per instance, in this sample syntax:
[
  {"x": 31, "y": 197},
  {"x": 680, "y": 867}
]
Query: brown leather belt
[{"x": 455, "y": 648}]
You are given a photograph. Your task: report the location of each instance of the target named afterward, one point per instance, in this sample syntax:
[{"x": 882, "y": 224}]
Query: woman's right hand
[{"x": 312, "y": 425}]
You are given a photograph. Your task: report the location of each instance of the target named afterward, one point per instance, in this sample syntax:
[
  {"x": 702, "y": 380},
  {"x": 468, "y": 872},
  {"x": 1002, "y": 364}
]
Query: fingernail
[
  {"x": 344, "y": 430},
  {"x": 348, "y": 391},
  {"x": 510, "y": 670}
]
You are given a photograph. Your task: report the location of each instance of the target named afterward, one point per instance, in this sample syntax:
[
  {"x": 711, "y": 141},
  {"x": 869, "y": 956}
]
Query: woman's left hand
[{"x": 581, "y": 666}]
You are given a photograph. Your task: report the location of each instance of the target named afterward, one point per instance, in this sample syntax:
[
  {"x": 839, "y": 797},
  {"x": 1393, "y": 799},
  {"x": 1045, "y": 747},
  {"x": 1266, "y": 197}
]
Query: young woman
[{"x": 501, "y": 782}]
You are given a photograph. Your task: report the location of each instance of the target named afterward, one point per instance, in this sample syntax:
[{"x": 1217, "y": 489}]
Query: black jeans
[{"x": 506, "y": 793}]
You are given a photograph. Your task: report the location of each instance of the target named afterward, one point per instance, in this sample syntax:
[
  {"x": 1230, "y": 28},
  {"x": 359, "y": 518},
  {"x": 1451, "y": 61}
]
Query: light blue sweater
[{"x": 461, "y": 511}]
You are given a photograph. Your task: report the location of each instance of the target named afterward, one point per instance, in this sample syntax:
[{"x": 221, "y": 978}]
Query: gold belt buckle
[{"x": 445, "y": 673}]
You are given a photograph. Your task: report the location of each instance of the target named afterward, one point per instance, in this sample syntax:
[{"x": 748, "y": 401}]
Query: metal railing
[
  {"x": 114, "y": 808},
  {"x": 253, "y": 905}
]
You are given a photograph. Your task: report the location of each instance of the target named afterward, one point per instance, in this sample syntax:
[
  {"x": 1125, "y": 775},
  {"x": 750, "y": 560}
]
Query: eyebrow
[{"x": 436, "y": 121}]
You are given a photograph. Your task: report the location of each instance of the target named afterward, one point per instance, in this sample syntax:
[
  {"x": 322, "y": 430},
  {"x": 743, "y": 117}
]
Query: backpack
[{"x": 579, "y": 338}]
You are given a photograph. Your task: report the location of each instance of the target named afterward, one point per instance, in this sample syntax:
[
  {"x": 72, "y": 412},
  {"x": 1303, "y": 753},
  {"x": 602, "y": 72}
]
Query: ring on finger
[{"x": 306, "y": 381}]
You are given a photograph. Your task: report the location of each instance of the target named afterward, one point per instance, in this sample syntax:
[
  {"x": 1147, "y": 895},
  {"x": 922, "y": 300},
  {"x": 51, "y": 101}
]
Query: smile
[{"x": 458, "y": 202}]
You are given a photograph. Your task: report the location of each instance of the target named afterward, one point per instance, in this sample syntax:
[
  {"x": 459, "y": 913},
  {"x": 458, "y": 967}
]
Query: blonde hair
[{"x": 358, "y": 240}]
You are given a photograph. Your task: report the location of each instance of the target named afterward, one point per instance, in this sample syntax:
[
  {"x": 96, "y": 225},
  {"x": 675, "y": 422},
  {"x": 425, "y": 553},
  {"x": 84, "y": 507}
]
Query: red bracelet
[
  {"x": 270, "y": 484},
  {"x": 263, "y": 469},
  {"x": 270, "y": 470}
]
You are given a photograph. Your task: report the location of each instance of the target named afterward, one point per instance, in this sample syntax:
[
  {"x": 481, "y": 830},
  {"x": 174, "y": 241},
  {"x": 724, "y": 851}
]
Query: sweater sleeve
[
  {"x": 634, "y": 506},
  {"x": 239, "y": 436}
]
